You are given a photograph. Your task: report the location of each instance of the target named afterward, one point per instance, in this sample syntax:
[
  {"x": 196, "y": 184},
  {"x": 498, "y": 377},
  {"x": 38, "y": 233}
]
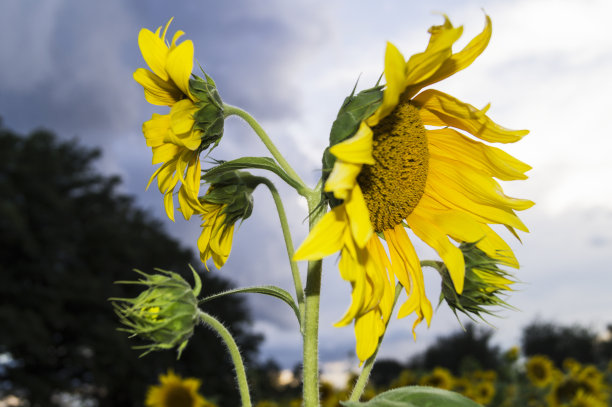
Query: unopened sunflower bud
[
  {"x": 228, "y": 200},
  {"x": 484, "y": 283},
  {"x": 209, "y": 114},
  {"x": 165, "y": 313}
]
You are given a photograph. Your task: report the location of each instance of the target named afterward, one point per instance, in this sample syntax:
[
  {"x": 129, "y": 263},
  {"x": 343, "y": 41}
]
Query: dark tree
[
  {"x": 65, "y": 236},
  {"x": 559, "y": 342},
  {"x": 461, "y": 351},
  {"x": 384, "y": 372}
]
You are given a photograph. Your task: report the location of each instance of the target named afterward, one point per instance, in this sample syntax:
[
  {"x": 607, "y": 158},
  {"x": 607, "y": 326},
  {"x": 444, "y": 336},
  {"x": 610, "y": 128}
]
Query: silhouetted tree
[
  {"x": 65, "y": 236},
  {"x": 461, "y": 351},
  {"x": 384, "y": 372},
  {"x": 559, "y": 342}
]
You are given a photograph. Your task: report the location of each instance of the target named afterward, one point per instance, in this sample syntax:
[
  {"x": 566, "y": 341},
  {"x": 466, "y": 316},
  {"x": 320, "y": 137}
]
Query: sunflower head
[
  {"x": 228, "y": 200},
  {"x": 484, "y": 283},
  {"x": 164, "y": 314},
  {"x": 440, "y": 377},
  {"x": 174, "y": 391},
  {"x": 540, "y": 370}
]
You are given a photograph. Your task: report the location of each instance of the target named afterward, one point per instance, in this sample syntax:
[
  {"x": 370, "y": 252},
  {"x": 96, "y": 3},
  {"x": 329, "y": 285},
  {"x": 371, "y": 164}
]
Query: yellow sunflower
[
  {"x": 175, "y": 141},
  {"x": 483, "y": 392},
  {"x": 215, "y": 241},
  {"x": 540, "y": 370},
  {"x": 173, "y": 391},
  {"x": 440, "y": 377},
  {"x": 393, "y": 173}
]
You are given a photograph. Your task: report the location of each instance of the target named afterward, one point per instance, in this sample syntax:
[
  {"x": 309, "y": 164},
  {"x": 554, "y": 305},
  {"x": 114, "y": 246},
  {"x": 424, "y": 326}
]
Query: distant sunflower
[
  {"x": 393, "y": 173},
  {"x": 173, "y": 138},
  {"x": 483, "y": 392},
  {"x": 173, "y": 391},
  {"x": 540, "y": 370},
  {"x": 440, "y": 377}
]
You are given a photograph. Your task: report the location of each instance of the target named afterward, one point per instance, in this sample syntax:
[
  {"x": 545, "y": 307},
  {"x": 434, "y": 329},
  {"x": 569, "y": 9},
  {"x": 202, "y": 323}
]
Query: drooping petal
[
  {"x": 368, "y": 329},
  {"x": 164, "y": 152},
  {"x": 436, "y": 238},
  {"x": 326, "y": 237},
  {"x": 440, "y": 109},
  {"x": 169, "y": 205},
  {"x": 359, "y": 217},
  {"x": 155, "y": 129},
  {"x": 181, "y": 116}
]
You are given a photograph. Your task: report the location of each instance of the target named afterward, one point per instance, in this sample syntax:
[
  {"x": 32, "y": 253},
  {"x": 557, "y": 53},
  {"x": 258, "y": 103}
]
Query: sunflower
[
  {"x": 540, "y": 370},
  {"x": 393, "y": 174},
  {"x": 483, "y": 393},
  {"x": 173, "y": 391},
  {"x": 174, "y": 139},
  {"x": 440, "y": 377}
]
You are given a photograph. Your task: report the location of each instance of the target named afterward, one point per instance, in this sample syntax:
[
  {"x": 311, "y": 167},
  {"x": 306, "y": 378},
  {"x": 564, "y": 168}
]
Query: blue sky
[{"x": 67, "y": 65}]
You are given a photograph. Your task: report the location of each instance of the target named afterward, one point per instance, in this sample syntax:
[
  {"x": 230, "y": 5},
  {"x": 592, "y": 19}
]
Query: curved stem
[
  {"x": 311, "y": 318},
  {"x": 230, "y": 110},
  {"x": 297, "y": 281},
  {"x": 222, "y": 331},
  {"x": 362, "y": 380}
]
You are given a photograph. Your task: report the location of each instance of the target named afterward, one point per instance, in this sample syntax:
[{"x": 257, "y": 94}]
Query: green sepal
[
  {"x": 233, "y": 190},
  {"x": 262, "y": 289},
  {"x": 264, "y": 163},
  {"x": 209, "y": 117},
  {"x": 415, "y": 396},
  {"x": 354, "y": 110}
]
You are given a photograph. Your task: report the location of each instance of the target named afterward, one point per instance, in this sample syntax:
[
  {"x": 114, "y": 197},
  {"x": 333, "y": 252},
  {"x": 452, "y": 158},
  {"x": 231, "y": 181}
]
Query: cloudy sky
[{"x": 67, "y": 66}]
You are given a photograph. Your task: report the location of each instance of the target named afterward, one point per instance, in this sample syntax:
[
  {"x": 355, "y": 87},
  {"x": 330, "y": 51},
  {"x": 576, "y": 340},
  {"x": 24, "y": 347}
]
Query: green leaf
[
  {"x": 261, "y": 289},
  {"x": 264, "y": 163},
  {"x": 415, "y": 396}
]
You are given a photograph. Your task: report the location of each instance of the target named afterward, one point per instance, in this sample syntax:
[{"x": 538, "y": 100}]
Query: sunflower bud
[
  {"x": 484, "y": 283},
  {"x": 165, "y": 313},
  {"x": 209, "y": 116}
]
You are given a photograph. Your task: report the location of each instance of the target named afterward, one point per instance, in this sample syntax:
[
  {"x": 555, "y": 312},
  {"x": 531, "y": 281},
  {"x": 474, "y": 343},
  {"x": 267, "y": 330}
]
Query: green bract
[
  {"x": 209, "y": 118},
  {"x": 234, "y": 190},
  {"x": 353, "y": 111},
  {"x": 165, "y": 313},
  {"x": 484, "y": 283}
]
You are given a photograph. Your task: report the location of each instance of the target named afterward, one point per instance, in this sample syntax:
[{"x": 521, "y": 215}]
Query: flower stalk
[{"x": 232, "y": 347}]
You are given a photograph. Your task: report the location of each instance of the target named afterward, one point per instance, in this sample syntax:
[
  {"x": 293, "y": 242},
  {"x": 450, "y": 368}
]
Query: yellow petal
[
  {"x": 342, "y": 179},
  {"x": 359, "y": 217},
  {"x": 436, "y": 238},
  {"x": 395, "y": 75},
  {"x": 354, "y": 267},
  {"x": 474, "y": 185},
  {"x": 465, "y": 57},
  {"x": 440, "y": 109},
  {"x": 164, "y": 152},
  {"x": 181, "y": 116},
  {"x": 155, "y": 129},
  {"x": 451, "y": 145},
  {"x": 356, "y": 149},
  {"x": 180, "y": 64},
  {"x": 368, "y": 329},
  {"x": 156, "y": 90},
  {"x": 169, "y": 205},
  {"x": 326, "y": 237},
  {"x": 154, "y": 52},
  {"x": 422, "y": 66}
]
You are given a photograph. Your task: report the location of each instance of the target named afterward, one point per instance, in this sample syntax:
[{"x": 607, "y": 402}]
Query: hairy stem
[
  {"x": 311, "y": 318},
  {"x": 233, "y": 110},
  {"x": 229, "y": 341},
  {"x": 297, "y": 281}
]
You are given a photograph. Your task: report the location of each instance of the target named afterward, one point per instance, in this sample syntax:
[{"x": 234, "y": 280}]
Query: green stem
[
  {"x": 243, "y": 385},
  {"x": 362, "y": 381},
  {"x": 432, "y": 263},
  {"x": 297, "y": 281},
  {"x": 311, "y": 318},
  {"x": 230, "y": 110}
]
